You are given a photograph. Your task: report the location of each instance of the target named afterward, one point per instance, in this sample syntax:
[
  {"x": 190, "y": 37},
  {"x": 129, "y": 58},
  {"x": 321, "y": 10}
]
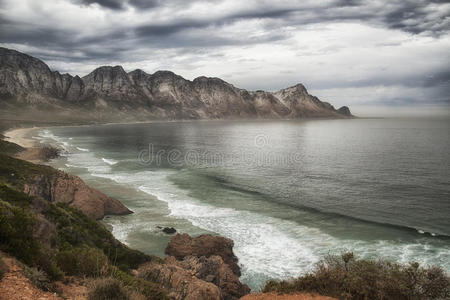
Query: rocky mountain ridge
[{"x": 26, "y": 81}]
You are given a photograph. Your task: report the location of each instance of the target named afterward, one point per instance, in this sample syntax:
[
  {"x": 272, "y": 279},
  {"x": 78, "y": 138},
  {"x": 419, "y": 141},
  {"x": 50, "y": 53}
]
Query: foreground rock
[
  {"x": 180, "y": 283},
  {"x": 207, "y": 258},
  {"x": 62, "y": 187},
  {"x": 182, "y": 245},
  {"x": 213, "y": 269}
]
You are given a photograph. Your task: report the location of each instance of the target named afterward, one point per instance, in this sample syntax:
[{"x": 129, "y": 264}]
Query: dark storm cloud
[
  {"x": 112, "y": 4},
  {"x": 413, "y": 16},
  {"x": 416, "y": 17}
]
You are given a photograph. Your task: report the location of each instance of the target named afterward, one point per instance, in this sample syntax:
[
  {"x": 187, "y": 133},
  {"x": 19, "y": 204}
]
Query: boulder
[
  {"x": 182, "y": 245},
  {"x": 178, "y": 282},
  {"x": 169, "y": 230},
  {"x": 213, "y": 269}
]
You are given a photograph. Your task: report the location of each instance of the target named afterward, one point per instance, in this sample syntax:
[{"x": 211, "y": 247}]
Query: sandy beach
[{"x": 21, "y": 136}]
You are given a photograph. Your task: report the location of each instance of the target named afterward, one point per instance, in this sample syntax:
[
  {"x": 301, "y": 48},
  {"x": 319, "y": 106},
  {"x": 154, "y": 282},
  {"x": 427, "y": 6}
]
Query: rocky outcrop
[
  {"x": 344, "y": 110},
  {"x": 213, "y": 269},
  {"x": 182, "y": 245},
  {"x": 62, "y": 187},
  {"x": 25, "y": 80},
  {"x": 210, "y": 259},
  {"x": 178, "y": 282}
]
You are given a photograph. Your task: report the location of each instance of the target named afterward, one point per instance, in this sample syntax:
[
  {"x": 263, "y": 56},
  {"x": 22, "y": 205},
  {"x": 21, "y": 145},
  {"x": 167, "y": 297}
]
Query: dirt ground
[{"x": 15, "y": 286}]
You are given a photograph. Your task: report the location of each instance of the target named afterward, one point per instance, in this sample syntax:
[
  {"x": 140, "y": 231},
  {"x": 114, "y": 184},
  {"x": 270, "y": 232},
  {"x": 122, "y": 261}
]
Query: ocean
[{"x": 287, "y": 193}]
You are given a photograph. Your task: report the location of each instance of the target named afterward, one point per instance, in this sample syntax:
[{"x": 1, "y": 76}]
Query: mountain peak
[{"x": 109, "y": 69}]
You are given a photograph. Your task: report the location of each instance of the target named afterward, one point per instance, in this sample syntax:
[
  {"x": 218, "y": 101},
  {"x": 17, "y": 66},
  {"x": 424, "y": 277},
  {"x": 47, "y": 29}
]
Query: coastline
[{"x": 21, "y": 136}]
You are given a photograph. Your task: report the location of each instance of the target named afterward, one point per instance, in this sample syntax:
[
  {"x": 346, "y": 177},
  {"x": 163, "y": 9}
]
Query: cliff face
[
  {"x": 57, "y": 187},
  {"x": 70, "y": 189},
  {"x": 26, "y": 80}
]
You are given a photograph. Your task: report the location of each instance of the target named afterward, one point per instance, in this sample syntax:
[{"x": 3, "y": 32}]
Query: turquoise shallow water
[{"x": 286, "y": 192}]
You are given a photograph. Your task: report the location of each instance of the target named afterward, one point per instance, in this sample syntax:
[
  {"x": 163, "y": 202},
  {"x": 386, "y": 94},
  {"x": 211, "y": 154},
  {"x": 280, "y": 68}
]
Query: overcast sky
[{"x": 364, "y": 54}]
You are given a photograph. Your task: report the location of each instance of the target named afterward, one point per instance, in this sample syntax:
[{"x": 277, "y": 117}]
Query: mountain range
[{"x": 28, "y": 83}]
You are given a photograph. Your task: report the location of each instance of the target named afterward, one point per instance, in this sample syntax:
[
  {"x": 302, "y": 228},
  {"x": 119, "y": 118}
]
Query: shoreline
[{"x": 21, "y": 137}]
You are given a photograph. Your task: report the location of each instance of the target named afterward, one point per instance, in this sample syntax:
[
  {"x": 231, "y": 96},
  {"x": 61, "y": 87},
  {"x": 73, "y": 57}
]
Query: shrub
[
  {"x": 16, "y": 238},
  {"x": 107, "y": 289},
  {"x": 142, "y": 286},
  {"x": 14, "y": 197},
  {"x": 346, "y": 277},
  {"x": 75, "y": 229},
  {"x": 83, "y": 261},
  {"x": 37, "y": 277},
  {"x": 48, "y": 264}
]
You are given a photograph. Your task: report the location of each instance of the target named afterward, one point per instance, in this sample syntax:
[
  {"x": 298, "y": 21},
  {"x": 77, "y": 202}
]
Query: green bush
[
  {"x": 147, "y": 288},
  {"x": 47, "y": 262},
  {"x": 346, "y": 277},
  {"x": 75, "y": 229},
  {"x": 84, "y": 261},
  {"x": 37, "y": 277},
  {"x": 107, "y": 289},
  {"x": 14, "y": 197},
  {"x": 16, "y": 238}
]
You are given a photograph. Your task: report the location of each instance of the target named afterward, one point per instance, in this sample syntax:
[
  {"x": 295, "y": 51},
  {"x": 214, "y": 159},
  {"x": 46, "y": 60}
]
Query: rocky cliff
[
  {"x": 57, "y": 187},
  {"x": 27, "y": 81},
  {"x": 70, "y": 189},
  {"x": 200, "y": 268}
]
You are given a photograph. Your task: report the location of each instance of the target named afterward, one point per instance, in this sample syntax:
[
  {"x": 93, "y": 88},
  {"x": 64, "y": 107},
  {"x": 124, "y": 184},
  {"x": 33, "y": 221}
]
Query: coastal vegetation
[{"x": 347, "y": 277}]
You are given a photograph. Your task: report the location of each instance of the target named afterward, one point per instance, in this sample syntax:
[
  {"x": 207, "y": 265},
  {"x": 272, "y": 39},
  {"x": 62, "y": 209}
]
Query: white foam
[
  {"x": 110, "y": 161},
  {"x": 48, "y": 135},
  {"x": 268, "y": 247},
  {"x": 83, "y": 159},
  {"x": 90, "y": 162}
]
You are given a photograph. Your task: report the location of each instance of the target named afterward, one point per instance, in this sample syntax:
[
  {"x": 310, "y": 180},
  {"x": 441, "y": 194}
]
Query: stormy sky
[{"x": 369, "y": 54}]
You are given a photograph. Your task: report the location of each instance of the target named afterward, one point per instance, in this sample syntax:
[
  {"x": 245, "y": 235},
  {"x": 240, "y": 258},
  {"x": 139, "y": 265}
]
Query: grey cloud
[
  {"x": 437, "y": 79},
  {"x": 112, "y": 4},
  {"x": 413, "y": 16}
]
